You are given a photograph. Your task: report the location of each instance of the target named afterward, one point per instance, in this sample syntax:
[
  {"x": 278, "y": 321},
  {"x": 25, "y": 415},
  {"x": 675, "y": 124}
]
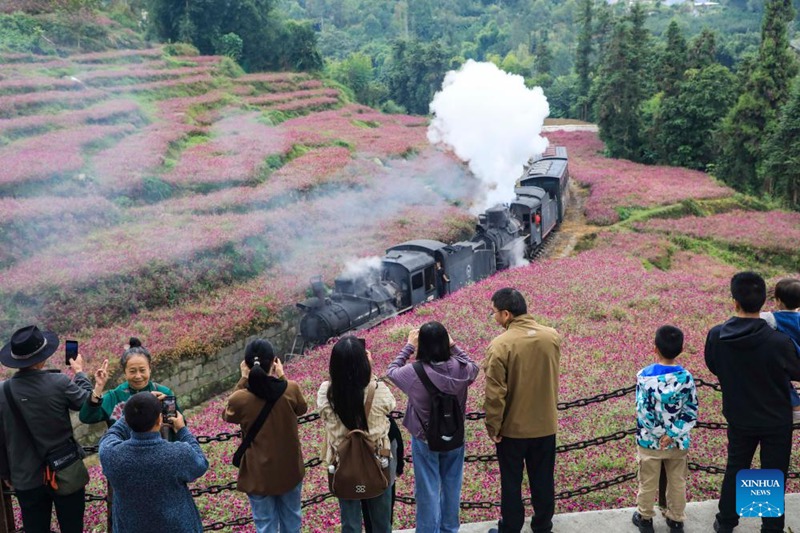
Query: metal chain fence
[{"x": 410, "y": 500}]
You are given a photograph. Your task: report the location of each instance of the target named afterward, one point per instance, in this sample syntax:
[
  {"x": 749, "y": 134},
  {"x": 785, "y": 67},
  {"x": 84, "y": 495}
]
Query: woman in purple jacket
[{"x": 437, "y": 475}]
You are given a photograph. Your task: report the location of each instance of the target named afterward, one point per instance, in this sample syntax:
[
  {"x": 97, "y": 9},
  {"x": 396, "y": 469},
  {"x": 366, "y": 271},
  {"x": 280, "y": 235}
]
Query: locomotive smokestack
[{"x": 318, "y": 288}]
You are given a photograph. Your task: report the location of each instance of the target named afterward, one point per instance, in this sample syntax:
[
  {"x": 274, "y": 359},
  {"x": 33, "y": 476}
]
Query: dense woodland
[{"x": 709, "y": 87}]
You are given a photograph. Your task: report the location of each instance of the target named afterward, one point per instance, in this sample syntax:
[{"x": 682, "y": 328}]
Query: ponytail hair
[
  {"x": 259, "y": 356},
  {"x": 135, "y": 348}
]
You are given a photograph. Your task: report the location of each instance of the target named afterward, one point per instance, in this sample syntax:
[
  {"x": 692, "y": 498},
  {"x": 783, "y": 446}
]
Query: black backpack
[{"x": 445, "y": 428}]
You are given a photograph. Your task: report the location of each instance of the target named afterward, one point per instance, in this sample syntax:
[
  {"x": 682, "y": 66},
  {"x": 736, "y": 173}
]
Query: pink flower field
[
  {"x": 617, "y": 183},
  {"x": 607, "y": 338},
  {"x": 777, "y": 231}
]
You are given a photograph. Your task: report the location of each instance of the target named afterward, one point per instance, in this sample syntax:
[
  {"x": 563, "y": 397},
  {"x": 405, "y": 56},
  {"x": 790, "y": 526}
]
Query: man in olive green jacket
[{"x": 522, "y": 368}]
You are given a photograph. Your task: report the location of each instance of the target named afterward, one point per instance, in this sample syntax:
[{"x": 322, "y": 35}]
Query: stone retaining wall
[{"x": 196, "y": 380}]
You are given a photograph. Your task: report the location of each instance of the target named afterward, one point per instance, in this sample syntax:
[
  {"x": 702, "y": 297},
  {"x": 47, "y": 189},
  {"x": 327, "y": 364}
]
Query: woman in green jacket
[{"x": 136, "y": 363}]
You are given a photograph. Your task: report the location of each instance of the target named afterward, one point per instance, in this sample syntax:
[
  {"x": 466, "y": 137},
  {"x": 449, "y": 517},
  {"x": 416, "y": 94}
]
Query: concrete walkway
[{"x": 700, "y": 519}]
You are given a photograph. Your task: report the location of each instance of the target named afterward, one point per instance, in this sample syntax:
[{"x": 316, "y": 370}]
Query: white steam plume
[
  {"x": 362, "y": 266},
  {"x": 491, "y": 121}
]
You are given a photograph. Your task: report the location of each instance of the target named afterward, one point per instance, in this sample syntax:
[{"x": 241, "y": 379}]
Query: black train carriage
[
  {"x": 538, "y": 214},
  {"x": 551, "y": 173},
  {"x": 411, "y": 267}
]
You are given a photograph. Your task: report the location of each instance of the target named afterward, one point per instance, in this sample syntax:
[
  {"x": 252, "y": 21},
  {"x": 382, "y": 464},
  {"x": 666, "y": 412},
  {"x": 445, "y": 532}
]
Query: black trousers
[
  {"x": 539, "y": 458},
  {"x": 776, "y": 449},
  {"x": 37, "y": 506}
]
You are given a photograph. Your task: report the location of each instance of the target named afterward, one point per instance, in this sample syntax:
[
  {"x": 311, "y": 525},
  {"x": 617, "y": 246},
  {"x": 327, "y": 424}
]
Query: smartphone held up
[
  {"x": 71, "y": 351},
  {"x": 169, "y": 408}
]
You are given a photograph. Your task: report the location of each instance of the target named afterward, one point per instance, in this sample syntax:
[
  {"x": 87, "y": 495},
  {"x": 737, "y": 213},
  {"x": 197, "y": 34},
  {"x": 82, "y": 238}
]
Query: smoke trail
[
  {"x": 362, "y": 266},
  {"x": 491, "y": 121}
]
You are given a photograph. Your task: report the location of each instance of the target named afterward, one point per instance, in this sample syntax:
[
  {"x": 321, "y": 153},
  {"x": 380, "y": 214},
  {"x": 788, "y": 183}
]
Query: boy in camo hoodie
[{"x": 666, "y": 410}]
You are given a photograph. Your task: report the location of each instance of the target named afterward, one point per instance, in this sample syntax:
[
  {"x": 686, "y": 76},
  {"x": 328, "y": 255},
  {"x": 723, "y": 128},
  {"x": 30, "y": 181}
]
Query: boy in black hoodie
[{"x": 753, "y": 363}]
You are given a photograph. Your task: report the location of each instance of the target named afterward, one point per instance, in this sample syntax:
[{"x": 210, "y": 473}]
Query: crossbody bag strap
[
  {"x": 368, "y": 403},
  {"x": 423, "y": 377},
  {"x": 12, "y": 403},
  {"x": 254, "y": 429}
]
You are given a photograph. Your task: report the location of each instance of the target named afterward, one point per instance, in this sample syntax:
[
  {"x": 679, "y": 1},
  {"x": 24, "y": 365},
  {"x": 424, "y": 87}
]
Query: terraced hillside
[{"x": 162, "y": 196}]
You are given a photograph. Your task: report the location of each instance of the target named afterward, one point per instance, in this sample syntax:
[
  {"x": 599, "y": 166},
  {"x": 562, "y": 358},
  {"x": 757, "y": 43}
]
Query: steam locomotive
[{"x": 422, "y": 270}]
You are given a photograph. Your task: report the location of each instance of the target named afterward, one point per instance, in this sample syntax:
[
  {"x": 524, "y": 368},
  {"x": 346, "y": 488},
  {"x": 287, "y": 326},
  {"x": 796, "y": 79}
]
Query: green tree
[
  {"x": 583, "y": 61},
  {"x": 619, "y": 93},
  {"x": 687, "y": 119},
  {"x": 767, "y": 88},
  {"x": 641, "y": 49},
  {"x": 673, "y": 60},
  {"x": 230, "y": 45},
  {"x": 782, "y": 154},
  {"x": 356, "y": 72},
  {"x": 544, "y": 57},
  {"x": 703, "y": 50},
  {"x": 267, "y": 42},
  {"x": 422, "y": 20},
  {"x": 416, "y": 72},
  {"x": 299, "y": 48}
]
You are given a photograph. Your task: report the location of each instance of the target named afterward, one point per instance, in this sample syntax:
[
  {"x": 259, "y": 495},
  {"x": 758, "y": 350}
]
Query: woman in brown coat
[{"x": 271, "y": 471}]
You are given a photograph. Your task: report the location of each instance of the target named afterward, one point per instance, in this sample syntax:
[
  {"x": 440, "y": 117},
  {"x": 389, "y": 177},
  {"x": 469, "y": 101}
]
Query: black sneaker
[
  {"x": 645, "y": 525},
  {"x": 674, "y": 527}
]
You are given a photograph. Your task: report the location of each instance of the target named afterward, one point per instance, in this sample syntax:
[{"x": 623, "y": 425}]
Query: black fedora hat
[{"x": 28, "y": 346}]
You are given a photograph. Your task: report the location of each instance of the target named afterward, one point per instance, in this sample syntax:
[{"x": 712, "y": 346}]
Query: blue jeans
[
  {"x": 437, "y": 487},
  {"x": 271, "y": 511},
  {"x": 379, "y": 509}
]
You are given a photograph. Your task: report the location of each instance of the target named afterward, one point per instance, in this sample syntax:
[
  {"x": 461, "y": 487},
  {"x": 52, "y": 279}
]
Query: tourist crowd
[{"x": 149, "y": 449}]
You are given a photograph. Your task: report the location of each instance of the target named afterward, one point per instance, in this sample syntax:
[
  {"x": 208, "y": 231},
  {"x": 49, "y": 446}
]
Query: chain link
[
  {"x": 212, "y": 489},
  {"x": 311, "y": 463},
  {"x": 409, "y": 500},
  {"x": 581, "y": 402},
  {"x": 703, "y": 383},
  {"x": 305, "y": 419},
  {"x": 219, "y": 437},
  {"x": 319, "y": 498},
  {"x": 711, "y": 425},
  {"x": 218, "y": 526}
]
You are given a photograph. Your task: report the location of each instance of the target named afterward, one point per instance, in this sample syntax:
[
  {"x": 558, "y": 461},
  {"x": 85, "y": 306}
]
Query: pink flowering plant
[
  {"x": 774, "y": 231},
  {"x": 617, "y": 183}
]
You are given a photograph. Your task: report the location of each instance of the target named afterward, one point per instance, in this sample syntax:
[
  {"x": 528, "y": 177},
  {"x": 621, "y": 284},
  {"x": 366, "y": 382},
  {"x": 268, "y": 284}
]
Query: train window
[{"x": 416, "y": 281}]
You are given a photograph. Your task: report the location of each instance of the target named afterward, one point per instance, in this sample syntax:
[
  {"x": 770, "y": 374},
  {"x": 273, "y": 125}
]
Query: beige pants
[{"x": 677, "y": 468}]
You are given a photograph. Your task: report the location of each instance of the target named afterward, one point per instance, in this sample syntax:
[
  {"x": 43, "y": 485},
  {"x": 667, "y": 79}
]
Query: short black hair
[
  {"x": 511, "y": 300},
  {"x": 142, "y": 411},
  {"x": 787, "y": 291},
  {"x": 434, "y": 343},
  {"x": 669, "y": 341},
  {"x": 749, "y": 290}
]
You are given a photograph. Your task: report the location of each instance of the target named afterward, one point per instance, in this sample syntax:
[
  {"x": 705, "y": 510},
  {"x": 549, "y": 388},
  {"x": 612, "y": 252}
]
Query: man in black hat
[{"x": 43, "y": 399}]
